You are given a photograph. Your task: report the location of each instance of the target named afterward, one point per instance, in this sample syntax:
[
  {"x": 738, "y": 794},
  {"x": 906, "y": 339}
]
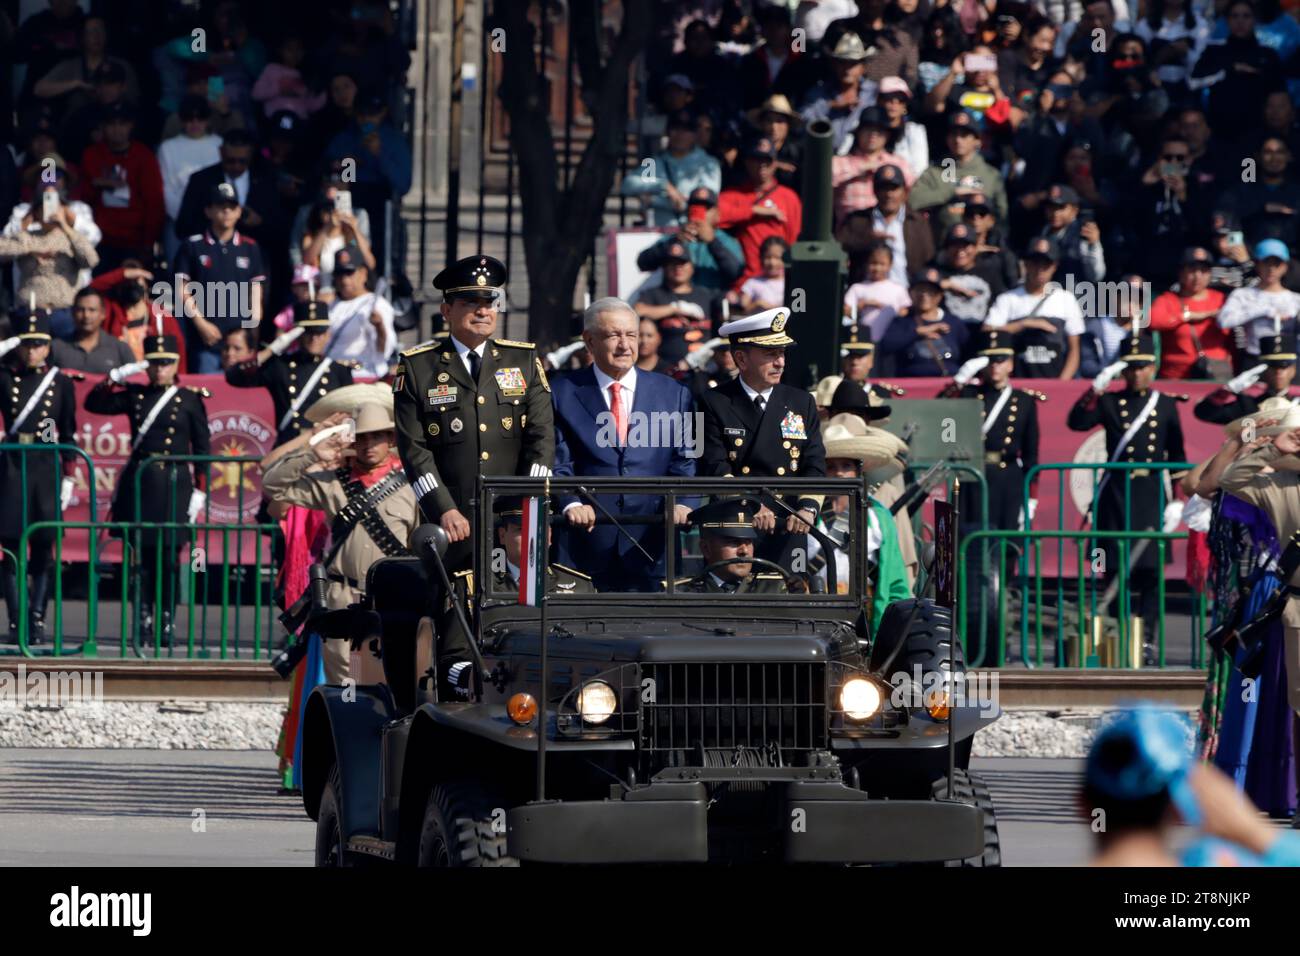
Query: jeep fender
[{"x": 346, "y": 732}]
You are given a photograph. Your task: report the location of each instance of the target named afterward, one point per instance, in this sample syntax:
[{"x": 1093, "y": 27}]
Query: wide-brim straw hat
[
  {"x": 1278, "y": 407},
  {"x": 875, "y": 450},
  {"x": 370, "y": 403},
  {"x": 776, "y": 103}
]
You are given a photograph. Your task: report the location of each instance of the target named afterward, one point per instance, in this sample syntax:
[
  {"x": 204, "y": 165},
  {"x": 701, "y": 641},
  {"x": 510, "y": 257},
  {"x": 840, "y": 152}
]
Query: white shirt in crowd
[
  {"x": 817, "y": 16},
  {"x": 1252, "y": 310},
  {"x": 893, "y": 230},
  {"x": 353, "y": 338},
  {"x": 1019, "y": 302},
  {"x": 913, "y": 146},
  {"x": 178, "y": 159},
  {"x": 1171, "y": 31}
]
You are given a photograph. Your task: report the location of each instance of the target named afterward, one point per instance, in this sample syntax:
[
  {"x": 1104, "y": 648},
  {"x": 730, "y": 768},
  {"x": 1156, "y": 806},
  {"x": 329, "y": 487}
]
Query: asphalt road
[{"x": 221, "y": 808}]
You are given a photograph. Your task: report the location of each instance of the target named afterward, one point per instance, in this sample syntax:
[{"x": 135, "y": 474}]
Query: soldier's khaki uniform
[
  {"x": 300, "y": 479},
  {"x": 1277, "y": 494}
]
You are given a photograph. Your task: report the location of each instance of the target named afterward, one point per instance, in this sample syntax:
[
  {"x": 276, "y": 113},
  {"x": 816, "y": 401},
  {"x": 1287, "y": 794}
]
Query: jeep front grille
[{"x": 695, "y": 707}]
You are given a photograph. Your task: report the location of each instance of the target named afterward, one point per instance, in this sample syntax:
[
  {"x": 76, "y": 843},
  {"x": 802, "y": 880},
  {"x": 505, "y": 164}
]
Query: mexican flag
[{"x": 532, "y": 554}]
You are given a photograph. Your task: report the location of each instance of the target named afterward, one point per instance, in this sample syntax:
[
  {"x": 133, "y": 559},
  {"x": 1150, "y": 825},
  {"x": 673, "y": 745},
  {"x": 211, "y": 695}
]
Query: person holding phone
[
  {"x": 717, "y": 256},
  {"x": 331, "y": 226}
]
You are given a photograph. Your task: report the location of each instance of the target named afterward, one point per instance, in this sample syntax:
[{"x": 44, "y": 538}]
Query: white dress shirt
[
  {"x": 628, "y": 381},
  {"x": 750, "y": 393},
  {"x": 355, "y": 339},
  {"x": 241, "y": 183},
  {"x": 463, "y": 351}
]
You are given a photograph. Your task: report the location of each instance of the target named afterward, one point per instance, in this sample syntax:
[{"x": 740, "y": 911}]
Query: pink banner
[
  {"x": 1058, "y": 444},
  {"x": 241, "y": 423}
]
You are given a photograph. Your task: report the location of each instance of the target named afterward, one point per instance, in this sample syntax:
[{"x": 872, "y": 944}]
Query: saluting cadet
[
  {"x": 299, "y": 379},
  {"x": 727, "y": 542},
  {"x": 1010, "y": 430},
  {"x": 356, "y": 479},
  {"x": 1277, "y": 357},
  {"x": 471, "y": 405},
  {"x": 39, "y": 407},
  {"x": 1142, "y": 425},
  {"x": 166, "y": 419},
  {"x": 756, "y": 426}
]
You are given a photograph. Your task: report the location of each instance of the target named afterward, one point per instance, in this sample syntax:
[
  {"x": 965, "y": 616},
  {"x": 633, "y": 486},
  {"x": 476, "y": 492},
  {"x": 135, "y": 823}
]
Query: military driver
[{"x": 727, "y": 539}]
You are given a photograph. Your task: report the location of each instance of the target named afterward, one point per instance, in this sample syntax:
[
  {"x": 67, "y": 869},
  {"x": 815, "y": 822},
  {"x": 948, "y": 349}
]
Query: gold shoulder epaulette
[
  {"x": 508, "y": 343},
  {"x": 417, "y": 349},
  {"x": 1035, "y": 394},
  {"x": 770, "y": 576},
  {"x": 686, "y": 580},
  {"x": 199, "y": 390},
  {"x": 568, "y": 570},
  {"x": 462, "y": 574},
  {"x": 349, "y": 363}
]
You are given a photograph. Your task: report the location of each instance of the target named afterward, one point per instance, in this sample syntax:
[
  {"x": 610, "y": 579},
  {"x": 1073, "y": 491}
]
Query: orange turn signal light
[
  {"x": 938, "y": 708},
  {"x": 522, "y": 708}
]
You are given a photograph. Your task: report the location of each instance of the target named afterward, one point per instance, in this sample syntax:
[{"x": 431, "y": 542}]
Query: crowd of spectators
[
  {"x": 986, "y": 152},
  {"x": 150, "y": 144}
]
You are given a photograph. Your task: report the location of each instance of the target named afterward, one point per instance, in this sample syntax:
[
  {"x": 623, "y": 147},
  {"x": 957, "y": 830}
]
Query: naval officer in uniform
[
  {"x": 471, "y": 405},
  {"x": 754, "y": 426},
  {"x": 299, "y": 379},
  {"x": 33, "y": 396}
]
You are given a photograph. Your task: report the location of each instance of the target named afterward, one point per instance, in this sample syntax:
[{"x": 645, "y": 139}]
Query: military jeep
[{"x": 654, "y": 727}]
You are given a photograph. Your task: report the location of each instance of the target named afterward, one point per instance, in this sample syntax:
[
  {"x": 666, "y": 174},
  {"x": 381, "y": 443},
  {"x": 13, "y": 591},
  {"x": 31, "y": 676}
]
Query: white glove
[
  {"x": 197, "y": 500},
  {"x": 1033, "y": 509},
  {"x": 123, "y": 372},
  {"x": 564, "y": 353},
  {"x": 1246, "y": 379},
  {"x": 8, "y": 345},
  {"x": 690, "y": 309},
  {"x": 970, "y": 369},
  {"x": 1172, "y": 516},
  {"x": 700, "y": 357},
  {"x": 1107, "y": 376},
  {"x": 283, "y": 341},
  {"x": 65, "y": 493},
  {"x": 1197, "y": 513}
]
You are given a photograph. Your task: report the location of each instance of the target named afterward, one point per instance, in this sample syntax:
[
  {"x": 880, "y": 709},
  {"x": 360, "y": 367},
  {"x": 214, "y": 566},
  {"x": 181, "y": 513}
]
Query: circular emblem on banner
[
  {"x": 1082, "y": 480},
  {"x": 235, "y": 434}
]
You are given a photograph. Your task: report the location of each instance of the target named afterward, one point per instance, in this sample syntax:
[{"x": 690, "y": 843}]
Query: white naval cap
[{"x": 765, "y": 329}]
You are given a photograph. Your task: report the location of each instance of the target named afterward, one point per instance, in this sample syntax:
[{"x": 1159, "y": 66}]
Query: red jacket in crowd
[
  {"x": 735, "y": 214},
  {"x": 116, "y": 322},
  {"x": 138, "y": 223},
  {"x": 1180, "y": 323}
]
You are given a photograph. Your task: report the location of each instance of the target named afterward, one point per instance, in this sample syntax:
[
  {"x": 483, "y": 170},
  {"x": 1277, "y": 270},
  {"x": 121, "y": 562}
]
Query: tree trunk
[{"x": 560, "y": 224}]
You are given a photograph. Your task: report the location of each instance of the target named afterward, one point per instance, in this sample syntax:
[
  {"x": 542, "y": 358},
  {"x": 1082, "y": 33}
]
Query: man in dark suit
[
  {"x": 613, "y": 419},
  {"x": 257, "y": 194},
  {"x": 755, "y": 426}
]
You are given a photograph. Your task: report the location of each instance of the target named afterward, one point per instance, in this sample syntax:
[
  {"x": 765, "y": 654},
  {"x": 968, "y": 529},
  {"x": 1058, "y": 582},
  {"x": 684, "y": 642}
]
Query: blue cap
[
  {"x": 1272, "y": 249},
  {"x": 1159, "y": 759}
]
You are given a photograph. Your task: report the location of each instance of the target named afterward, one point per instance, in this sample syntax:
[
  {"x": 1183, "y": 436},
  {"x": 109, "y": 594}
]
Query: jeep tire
[
  {"x": 461, "y": 828},
  {"x": 329, "y": 829},
  {"x": 971, "y": 788}
]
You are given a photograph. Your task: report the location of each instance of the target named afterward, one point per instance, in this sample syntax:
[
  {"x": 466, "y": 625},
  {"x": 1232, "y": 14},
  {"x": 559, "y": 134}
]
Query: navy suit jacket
[{"x": 583, "y": 427}]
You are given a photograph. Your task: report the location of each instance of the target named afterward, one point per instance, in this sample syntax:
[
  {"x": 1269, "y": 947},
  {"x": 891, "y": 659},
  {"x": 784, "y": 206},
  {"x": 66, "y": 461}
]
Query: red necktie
[{"x": 616, "y": 408}]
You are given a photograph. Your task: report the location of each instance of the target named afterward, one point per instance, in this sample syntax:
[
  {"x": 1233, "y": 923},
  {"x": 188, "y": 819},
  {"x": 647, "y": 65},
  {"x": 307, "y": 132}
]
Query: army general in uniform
[
  {"x": 166, "y": 419},
  {"x": 471, "y": 405},
  {"x": 33, "y": 394}
]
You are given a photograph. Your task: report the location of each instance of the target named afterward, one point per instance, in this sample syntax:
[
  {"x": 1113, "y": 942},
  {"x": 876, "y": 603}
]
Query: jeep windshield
[{"x": 705, "y": 539}]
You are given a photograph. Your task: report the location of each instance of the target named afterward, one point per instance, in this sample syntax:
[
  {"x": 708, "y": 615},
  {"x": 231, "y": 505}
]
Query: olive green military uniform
[
  {"x": 764, "y": 583},
  {"x": 451, "y": 429},
  {"x": 300, "y": 479},
  {"x": 559, "y": 580}
]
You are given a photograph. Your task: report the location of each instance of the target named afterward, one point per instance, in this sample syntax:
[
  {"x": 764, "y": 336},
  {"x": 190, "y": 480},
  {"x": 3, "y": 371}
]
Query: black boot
[
  {"x": 9, "y": 580},
  {"x": 40, "y": 604}
]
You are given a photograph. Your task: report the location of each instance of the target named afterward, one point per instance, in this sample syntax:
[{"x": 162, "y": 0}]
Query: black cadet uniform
[
  {"x": 179, "y": 426},
  {"x": 1222, "y": 407},
  {"x": 729, "y": 518},
  {"x": 1159, "y": 438},
  {"x": 1010, "y": 442},
  {"x": 451, "y": 427},
  {"x": 33, "y": 397},
  {"x": 297, "y": 380},
  {"x": 857, "y": 346}
]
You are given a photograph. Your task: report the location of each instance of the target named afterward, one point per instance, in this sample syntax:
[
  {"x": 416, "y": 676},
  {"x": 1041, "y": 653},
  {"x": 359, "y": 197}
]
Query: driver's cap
[{"x": 728, "y": 518}]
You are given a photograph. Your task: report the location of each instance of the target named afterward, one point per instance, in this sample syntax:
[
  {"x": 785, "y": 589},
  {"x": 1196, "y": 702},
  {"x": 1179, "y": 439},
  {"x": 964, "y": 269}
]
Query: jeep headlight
[
  {"x": 860, "y": 699},
  {"x": 596, "y": 702}
]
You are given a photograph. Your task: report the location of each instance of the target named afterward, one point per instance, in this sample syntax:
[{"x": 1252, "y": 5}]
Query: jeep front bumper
[{"x": 826, "y": 822}]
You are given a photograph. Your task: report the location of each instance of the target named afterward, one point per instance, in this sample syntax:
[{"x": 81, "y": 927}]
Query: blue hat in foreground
[
  {"x": 1272, "y": 249},
  {"x": 1140, "y": 753}
]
